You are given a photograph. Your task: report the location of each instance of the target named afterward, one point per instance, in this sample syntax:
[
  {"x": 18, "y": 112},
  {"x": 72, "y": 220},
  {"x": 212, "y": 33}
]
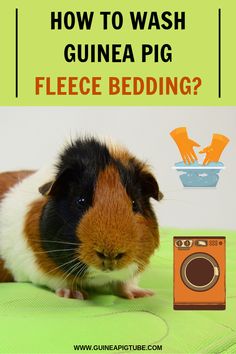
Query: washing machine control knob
[
  {"x": 187, "y": 243},
  {"x": 179, "y": 243}
]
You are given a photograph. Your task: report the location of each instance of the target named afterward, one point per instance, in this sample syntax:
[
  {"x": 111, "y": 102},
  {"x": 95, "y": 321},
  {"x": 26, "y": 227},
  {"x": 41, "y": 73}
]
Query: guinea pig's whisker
[
  {"x": 140, "y": 262},
  {"x": 79, "y": 264},
  {"x": 72, "y": 285},
  {"x": 57, "y": 256},
  {"x": 51, "y": 251},
  {"x": 77, "y": 275},
  {"x": 62, "y": 265},
  {"x": 62, "y": 242},
  {"x": 26, "y": 257},
  {"x": 70, "y": 271},
  {"x": 82, "y": 269},
  {"x": 82, "y": 282}
]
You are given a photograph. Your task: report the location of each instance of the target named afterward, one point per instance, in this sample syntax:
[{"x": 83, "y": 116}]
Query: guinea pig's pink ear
[{"x": 150, "y": 186}]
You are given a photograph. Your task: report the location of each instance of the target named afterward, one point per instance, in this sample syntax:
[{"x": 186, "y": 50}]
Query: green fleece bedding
[{"x": 34, "y": 320}]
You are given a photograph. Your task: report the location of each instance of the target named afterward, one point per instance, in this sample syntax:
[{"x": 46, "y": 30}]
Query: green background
[{"x": 195, "y": 51}]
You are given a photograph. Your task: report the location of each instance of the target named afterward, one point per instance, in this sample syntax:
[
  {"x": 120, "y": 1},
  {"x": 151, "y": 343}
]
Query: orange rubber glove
[
  {"x": 184, "y": 144},
  {"x": 214, "y": 151}
]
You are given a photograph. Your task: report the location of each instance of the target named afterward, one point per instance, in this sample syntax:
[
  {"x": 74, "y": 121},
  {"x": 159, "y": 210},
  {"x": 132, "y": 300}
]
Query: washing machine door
[{"x": 200, "y": 271}]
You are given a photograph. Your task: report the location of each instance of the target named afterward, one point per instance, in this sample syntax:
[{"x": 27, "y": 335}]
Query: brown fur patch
[
  {"x": 5, "y": 275},
  {"x": 125, "y": 157},
  {"x": 149, "y": 241},
  {"x": 121, "y": 154},
  {"x": 9, "y": 179},
  {"x": 111, "y": 227}
]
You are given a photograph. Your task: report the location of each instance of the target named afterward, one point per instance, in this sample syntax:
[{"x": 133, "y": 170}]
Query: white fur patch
[{"x": 14, "y": 250}]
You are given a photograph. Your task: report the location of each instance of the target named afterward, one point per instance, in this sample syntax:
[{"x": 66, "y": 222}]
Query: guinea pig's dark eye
[
  {"x": 135, "y": 206},
  {"x": 80, "y": 201}
]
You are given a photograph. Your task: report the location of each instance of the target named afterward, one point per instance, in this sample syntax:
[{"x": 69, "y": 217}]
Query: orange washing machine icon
[{"x": 199, "y": 273}]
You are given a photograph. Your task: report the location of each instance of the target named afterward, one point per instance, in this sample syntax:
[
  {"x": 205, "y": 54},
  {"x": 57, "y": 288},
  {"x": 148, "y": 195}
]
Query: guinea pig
[{"x": 83, "y": 224}]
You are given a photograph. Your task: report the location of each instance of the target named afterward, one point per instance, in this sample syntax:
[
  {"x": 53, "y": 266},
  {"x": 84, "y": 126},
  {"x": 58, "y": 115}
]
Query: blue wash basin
[{"x": 198, "y": 175}]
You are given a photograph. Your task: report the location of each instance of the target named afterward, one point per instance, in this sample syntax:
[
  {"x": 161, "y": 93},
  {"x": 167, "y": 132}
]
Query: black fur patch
[{"x": 78, "y": 169}]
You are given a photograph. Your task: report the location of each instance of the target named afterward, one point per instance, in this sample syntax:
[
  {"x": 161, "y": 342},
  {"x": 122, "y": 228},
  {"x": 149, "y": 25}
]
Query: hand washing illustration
[
  {"x": 185, "y": 144},
  {"x": 193, "y": 173},
  {"x": 213, "y": 152}
]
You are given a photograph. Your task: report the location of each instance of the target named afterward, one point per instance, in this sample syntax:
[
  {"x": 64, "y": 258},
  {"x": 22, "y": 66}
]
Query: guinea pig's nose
[{"x": 114, "y": 256}]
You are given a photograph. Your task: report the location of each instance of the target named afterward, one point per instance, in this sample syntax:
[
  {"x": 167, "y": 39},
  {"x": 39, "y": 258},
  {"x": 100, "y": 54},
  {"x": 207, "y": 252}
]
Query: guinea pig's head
[{"x": 98, "y": 210}]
